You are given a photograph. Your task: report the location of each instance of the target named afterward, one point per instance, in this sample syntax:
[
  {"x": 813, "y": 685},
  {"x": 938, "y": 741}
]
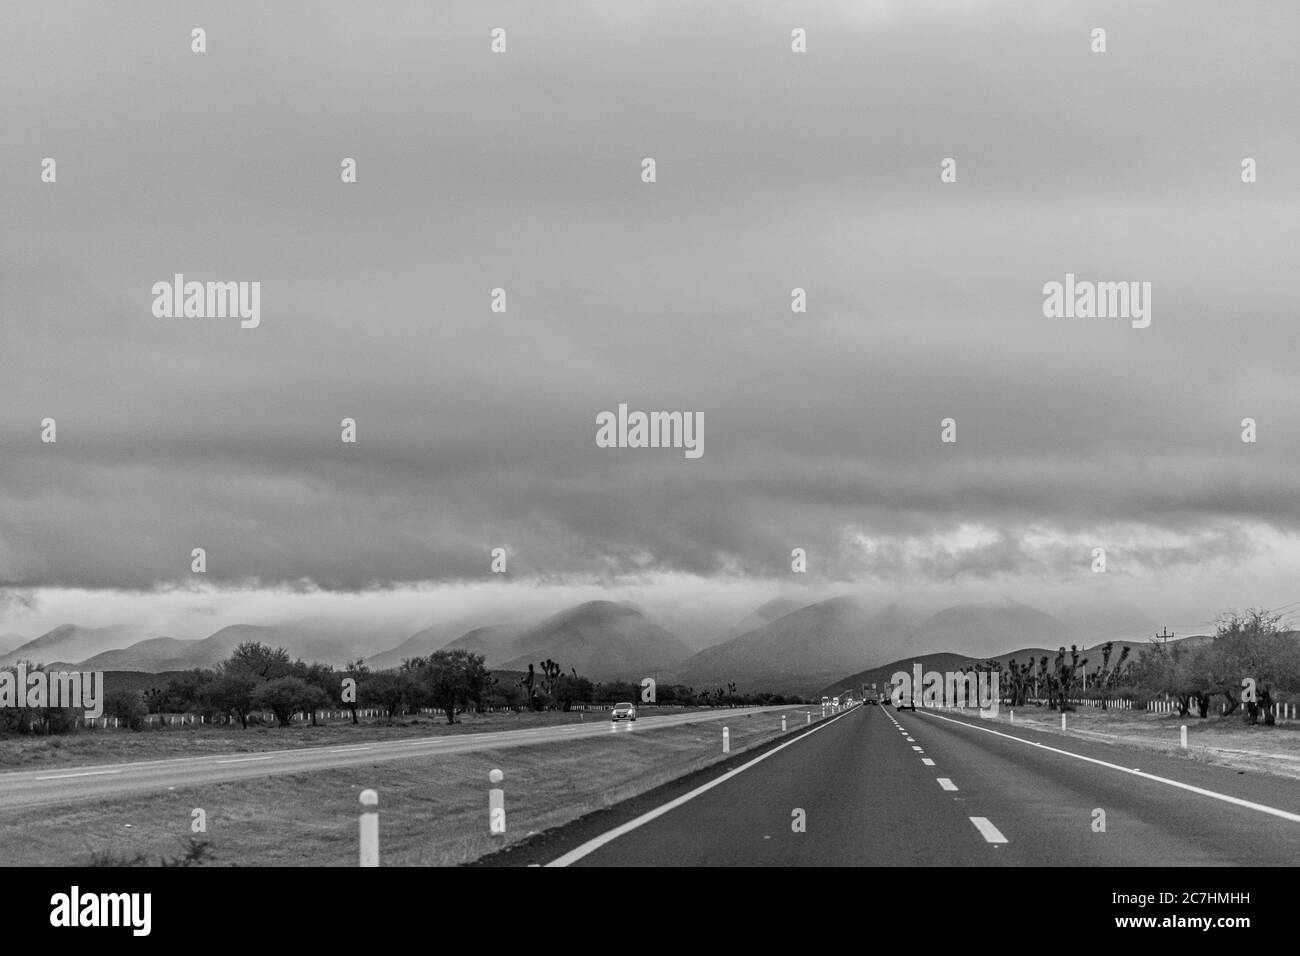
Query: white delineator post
[
  {"x": 1013, "y": 716},
  {"x": 369, "y": 828},
  {"x": 726, "y": 740},
  {"x": 496, "y": 803},
  {"x": 807, "y": 717},
  {"x": 1062, "y": 721},
  {"x": 783, "y": 723},
  {"x": 1182, "y": 736}
]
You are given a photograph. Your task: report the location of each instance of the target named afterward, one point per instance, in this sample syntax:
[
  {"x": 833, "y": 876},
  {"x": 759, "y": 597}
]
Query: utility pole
[{"x": 1164, "y": 636}]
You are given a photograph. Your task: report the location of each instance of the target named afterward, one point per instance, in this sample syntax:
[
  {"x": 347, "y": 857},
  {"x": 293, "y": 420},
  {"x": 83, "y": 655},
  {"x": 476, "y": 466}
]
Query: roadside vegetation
[
  {"x": 1203, "y": 678},
  {"x": 260, "y": 689}
]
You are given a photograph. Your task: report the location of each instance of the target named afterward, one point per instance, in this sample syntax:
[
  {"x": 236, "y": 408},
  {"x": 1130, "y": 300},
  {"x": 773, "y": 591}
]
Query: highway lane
[
  {"x": 920, "y": 788},
  {"x": 27, "y": 788},
  {"x": 867, "y": 799},
  {"x": 1040, "y": 790}
]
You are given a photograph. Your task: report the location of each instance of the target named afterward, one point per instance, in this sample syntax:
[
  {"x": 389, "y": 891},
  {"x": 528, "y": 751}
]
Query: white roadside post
[
  {"x": 1062, "y": 721},
  {"x": 807, "y": 717},
  {"x": 783, "y": 723},
  {"x": 496, "y": 804},
  {"x": 1182, "y": 736},
  {"x": 1013, "y": 715},
  {"x": 726, "y": 740},
  {"x": 369, "y": 828}
]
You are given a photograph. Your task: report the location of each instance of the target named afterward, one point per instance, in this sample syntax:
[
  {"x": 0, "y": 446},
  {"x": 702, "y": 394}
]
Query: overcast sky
[{"x": 522, "y": 171}]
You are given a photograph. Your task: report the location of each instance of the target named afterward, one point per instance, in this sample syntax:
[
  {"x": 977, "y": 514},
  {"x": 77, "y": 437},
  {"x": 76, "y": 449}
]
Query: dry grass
[{"x": 1226, "y": 741}]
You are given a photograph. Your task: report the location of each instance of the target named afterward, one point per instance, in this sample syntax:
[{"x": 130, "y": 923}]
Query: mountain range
[
  {"x": 122, "y": 649},
  {"x": 781, "y": 646}
]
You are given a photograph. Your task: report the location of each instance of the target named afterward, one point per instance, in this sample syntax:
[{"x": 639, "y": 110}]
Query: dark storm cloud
[{"x": 775, "y": 171}]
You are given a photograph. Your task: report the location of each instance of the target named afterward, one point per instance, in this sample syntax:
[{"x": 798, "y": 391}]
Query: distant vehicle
[
  {"x": 623, "y": 711},
  {"x": 826, "y": 701},
  {"x": 835, "y": 701}
]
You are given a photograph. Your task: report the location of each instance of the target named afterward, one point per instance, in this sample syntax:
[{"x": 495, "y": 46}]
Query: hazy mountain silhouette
[
  {"x": 796, "y": 651},
  {"x": 986, "y": 629},
  {"x": 153, "y": 656},
  {"x": 424, "y": 642},
  {"x": 603, "y": 640},
  {"x": 68, "y": 642}
]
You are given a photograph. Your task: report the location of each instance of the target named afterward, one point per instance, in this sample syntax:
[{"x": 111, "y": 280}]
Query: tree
[
  {"x": 1063, "y": 678},
  {"x": 258, "y": 661},
  {"x": 358, "y": 670},
  {"x": 282, "y": 696},
  {"x": 229, "y": 694},
  {"x": 183, "y": 690},
  {"x": 30, "y": 720},
  {"x": 155, "y": 700},
  {"x": 323, "y": 679},
  {"x": 550, "y": 674},
  {"x": 571, "y": 689},
  {"x": 489, "y": 693},
  {"x": 390, "y": 690},
  {"x": 455, "y": 679},
  {"x": 506, "y": 694},
  {"x": 127, "y": 706},
  {"x": 1023, "y": 682},
  {"x": 527, "y": 683},
  {"x": 1254, "y": 645},
  {"x": 1120, "y": 670}
]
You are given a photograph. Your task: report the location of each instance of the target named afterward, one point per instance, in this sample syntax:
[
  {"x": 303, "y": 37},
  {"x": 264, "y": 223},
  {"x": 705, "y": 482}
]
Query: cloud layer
[{"x": 521, "y": 171}]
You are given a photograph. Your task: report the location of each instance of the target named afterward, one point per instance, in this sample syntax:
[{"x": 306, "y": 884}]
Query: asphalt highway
[{"x": 880, "y": 787}]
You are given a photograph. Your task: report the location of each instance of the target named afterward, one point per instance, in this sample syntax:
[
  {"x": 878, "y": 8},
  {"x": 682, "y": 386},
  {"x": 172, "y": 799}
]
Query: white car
[{"x": 623, "y": 711}]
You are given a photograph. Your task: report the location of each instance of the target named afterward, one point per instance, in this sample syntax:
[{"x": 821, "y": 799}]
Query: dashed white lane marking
[
  {"x": 927, "y": 761},
  {"x": 1236, "y": 801},
  {"x": 596, "y": 843},
  {"x": 988, "y": 830},
  {"x": 87, "y": 773},
  {"x": 246, "y": 759},
  {"x": 917, "y": 749},
  {"x": 947, "y": 784}
]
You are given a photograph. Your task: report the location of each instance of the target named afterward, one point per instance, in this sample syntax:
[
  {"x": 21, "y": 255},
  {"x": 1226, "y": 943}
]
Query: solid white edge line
[
  {"x": 247, "y": 759},
  {"x": 1236, "y": 801},
  {"x": 988, "y": 830},
  {"x": 594, "y": 844}
]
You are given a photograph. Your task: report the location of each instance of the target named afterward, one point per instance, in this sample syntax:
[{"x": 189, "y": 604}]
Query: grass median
[
  {"x": 433, "y": 810},
  {"x": 109, "y": 745}
]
